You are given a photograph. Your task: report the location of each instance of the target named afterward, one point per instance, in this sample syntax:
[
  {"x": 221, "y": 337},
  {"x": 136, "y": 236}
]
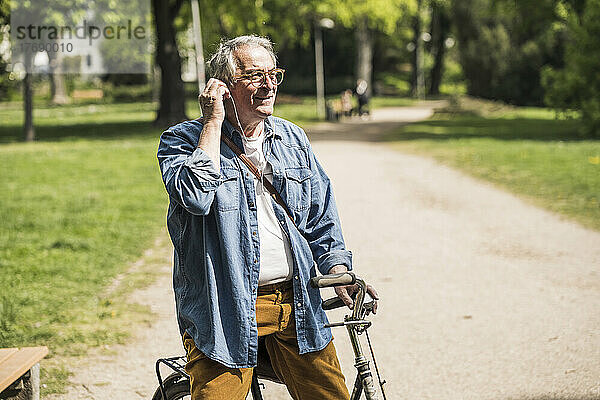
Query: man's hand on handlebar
[{"x": 345, "y": 292}]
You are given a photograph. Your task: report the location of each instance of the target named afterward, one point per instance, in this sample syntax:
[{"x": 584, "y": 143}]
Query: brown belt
[{"x": 281, "y": 286}]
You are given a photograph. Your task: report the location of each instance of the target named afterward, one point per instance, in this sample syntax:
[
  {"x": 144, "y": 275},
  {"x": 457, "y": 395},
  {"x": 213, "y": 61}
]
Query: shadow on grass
[
  {"x": 349, "y": 131},
  {"x": 85, "y": 131},
  {"x": 443, "y": 127}
]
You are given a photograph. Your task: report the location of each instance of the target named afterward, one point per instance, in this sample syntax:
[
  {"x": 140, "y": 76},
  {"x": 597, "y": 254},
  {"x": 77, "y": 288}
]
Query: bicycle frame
[{"x": 355, "y": 325}]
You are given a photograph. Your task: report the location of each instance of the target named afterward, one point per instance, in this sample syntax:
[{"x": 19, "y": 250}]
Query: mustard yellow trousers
[{"x": 308, "y": 376}]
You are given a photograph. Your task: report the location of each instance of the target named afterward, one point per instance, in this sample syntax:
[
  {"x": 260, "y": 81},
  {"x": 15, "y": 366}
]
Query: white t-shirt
[{"x": 276, "y": 262}]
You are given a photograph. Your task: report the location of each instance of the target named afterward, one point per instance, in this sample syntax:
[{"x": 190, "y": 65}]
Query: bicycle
[{"x": 176, "y": 386}]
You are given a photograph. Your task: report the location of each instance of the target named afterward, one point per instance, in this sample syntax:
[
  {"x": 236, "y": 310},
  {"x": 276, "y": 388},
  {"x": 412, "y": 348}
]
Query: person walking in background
[
  {"x": 363, "y": 97},
  {"x": 242, "y": 260}
]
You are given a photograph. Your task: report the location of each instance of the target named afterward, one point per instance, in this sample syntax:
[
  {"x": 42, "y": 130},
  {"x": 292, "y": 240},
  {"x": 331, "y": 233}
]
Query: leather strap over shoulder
[{"x": 256, "y": 172}]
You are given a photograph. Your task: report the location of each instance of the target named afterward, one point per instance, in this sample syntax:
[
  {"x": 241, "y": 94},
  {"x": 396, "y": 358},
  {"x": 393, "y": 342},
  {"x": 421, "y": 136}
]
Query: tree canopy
[{"x": 539, "y": 52}]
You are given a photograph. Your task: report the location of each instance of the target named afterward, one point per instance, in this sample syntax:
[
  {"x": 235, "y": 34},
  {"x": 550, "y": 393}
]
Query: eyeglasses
[{"x": 258, "y": 78}]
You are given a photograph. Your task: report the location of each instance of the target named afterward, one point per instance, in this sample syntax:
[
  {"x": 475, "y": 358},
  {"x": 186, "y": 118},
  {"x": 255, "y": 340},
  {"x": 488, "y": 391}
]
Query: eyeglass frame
[{"x": 263, "y": 79}]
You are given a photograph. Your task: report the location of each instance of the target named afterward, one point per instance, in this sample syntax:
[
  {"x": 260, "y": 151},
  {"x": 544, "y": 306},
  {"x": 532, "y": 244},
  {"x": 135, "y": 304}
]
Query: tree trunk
[
  {"x": 58, "y": 90},
  {"x": 440, "y": 26},
  {"x": 172, "y": 96},
  {"x": 417, "y": 78},
  {"x": 413, "y": 58},
  {"x": 28, "y": 129},
  {"x": 364, "y": 44}
]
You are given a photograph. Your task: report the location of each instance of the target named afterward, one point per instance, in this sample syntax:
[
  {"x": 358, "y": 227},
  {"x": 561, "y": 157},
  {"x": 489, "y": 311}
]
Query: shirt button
[
  {"x": 253, "y": 233},
  {"x": 299, "y": 304},
  {"x": 296, "y": 277}
]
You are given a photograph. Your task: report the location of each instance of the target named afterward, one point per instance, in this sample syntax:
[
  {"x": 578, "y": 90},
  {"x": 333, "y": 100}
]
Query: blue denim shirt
[{"x": 213, "y": 225}]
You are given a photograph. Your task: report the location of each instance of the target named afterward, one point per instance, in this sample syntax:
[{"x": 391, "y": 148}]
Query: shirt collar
[{"x": 269, "y": 128}]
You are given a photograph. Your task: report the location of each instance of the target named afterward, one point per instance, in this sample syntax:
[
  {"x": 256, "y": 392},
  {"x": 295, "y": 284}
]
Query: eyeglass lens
[{"x": 275, "y": 76}]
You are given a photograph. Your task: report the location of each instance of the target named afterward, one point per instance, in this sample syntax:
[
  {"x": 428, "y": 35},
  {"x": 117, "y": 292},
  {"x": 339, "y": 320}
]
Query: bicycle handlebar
[
  {"x": 342, "y": 279},
  {"x": 332, "y": 304}
]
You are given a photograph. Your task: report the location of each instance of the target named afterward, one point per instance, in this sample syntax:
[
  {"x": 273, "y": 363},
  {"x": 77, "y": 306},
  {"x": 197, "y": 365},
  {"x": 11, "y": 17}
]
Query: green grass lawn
[
  {"x": 74, "y": 215},
  {"x": 78, "y": 207},
  {"x": 524, "y": 150}
]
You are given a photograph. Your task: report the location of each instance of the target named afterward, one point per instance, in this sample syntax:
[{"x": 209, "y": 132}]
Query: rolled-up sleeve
[
  {"x": 323, "y": 228},
  {"x": 189, "y": 175}
]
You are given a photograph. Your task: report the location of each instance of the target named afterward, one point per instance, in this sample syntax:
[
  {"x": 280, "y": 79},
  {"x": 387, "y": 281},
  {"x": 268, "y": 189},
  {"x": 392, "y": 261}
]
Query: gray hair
[{"x": 223, "y": 63}]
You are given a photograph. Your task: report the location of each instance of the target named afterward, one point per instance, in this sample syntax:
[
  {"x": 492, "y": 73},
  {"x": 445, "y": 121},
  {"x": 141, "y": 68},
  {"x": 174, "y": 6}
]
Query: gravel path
[{"x": 483, "y": 295}]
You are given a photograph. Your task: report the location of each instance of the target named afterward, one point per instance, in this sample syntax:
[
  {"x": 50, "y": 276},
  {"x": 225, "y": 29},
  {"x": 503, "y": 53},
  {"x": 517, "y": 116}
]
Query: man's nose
[{"x": 268, "y": 81}]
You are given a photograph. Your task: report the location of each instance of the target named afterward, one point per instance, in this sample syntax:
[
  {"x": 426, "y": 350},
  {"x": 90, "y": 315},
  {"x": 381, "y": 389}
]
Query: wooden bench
[
  {"x": 87, "y": 94},
  {"x": 20, "y": 372}
]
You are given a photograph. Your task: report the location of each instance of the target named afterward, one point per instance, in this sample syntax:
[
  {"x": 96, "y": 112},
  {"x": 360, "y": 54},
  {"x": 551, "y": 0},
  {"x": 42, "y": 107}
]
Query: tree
[
  {"x": 58, "y": 88},
  {"x": 172, "y": 95},
  {"x": 28, "y": 128},
  {"x": 126, "y": 60},
  {"x": 440, "y": 29},
  {"x": 61, "y": 13},
  {"x": 417, "y": 79},
  {"x": 37, "y": 12},
  {"x": 288, "y": 23},
  {"x": 504, "y": 44},
  {"x": 4, "y": 12},
  {"x": 364, "y": 53},
  {"x": 27, "y": 11},
  {"x": 577, "y": 85},
  {"x": 278, "y": 19},
  {"x": 364, "y": 17}
]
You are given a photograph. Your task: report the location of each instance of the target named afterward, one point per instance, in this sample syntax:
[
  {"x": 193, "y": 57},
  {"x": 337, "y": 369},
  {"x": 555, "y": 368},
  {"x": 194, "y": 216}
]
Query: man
[{"x": 242, "y": 266}]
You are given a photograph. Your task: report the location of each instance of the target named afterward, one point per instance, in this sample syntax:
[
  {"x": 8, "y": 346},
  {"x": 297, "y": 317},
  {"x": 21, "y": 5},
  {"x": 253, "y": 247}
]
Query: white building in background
[
  {"x": 83, "y": 59},
  {"x": 90, "y": 56},
  {"x": 75, "y": 55},
  {"x": 80, "y": 48}
]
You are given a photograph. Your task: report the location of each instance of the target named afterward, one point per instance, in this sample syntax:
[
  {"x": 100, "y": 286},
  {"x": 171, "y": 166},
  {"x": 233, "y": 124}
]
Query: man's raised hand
[{"x": 211, "y": 101}]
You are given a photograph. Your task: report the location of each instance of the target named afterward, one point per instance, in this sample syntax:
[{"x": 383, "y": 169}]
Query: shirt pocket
[
  {"x": 297, "y": 184},
  {"x": 227, "y": 195}
]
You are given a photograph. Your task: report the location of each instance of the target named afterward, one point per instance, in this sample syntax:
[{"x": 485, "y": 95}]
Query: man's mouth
[{"x": 263, "y": 97}]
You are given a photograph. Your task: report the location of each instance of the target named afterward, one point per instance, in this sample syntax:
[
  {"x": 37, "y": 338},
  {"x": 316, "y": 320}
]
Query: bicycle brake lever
[{"x": 369, "y": 303}]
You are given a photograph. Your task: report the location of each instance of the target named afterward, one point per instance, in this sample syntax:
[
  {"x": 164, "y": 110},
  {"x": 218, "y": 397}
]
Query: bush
[
  {"x": 503, "y": 46},
  {"x": 577, "y": 85}
]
